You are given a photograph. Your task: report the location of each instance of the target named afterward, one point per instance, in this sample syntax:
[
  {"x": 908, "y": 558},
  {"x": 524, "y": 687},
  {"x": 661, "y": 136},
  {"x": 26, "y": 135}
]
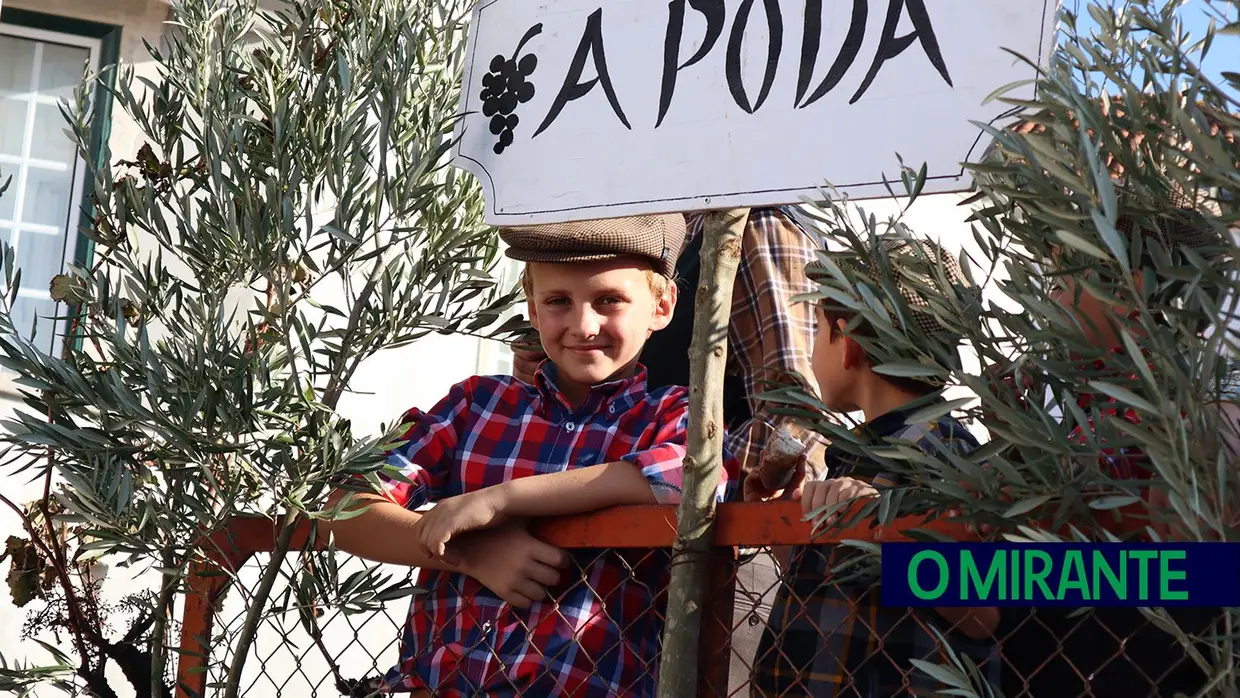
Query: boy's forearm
[
  {"x": 576, "y": 491},
  {"x": 386, "y": 532}
]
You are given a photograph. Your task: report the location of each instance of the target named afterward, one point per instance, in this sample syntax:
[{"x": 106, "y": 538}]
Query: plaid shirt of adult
[
  {"x": 771, "y": 337},
  {"x": 827, "y": 638},
  {"x": 601, "y": 635},
  {"x": 1120, "y": 462}
]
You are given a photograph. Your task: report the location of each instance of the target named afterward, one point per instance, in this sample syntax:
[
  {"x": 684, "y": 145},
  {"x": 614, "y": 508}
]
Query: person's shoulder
[
  {"x": 785, "y": 218},
  {"x": 494, "y": 382},
  {"x": 668, "y": 397},
  {"x": 497, "y": 389},
  {"x": 663, "y": 394},
  {"x": 669, "y": 392},
  {"x": 946, "y": 430},
  {"x": 659, "y": 404},
  {"x": 489, "y": 390}
]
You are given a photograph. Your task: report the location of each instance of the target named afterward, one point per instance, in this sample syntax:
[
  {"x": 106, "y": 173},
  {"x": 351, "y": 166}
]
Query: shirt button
[
  {"x": 570, "y": 426},
  {"x": 611, "y": 409},
  {"x": 486, "y": 627}
]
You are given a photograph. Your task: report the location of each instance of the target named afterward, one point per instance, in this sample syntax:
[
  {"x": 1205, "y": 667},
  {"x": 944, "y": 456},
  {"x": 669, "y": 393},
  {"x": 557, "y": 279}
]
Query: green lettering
[
  {"x": 1143, "y": 558},
  {"x": 916, "y": 587},
  {"x": 1073, "y": 576},
  {"x": 971, "y": 575},
  {"x": 1039, "y": 576},
  {"x": 1102, "y": 568},
  {"x": 1166, "y": 574},
  {"x": 1014, "y": 594}
]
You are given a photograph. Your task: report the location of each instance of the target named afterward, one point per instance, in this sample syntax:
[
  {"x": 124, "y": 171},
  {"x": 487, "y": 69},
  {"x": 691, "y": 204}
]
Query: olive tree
[{"x": 290, "y": 214}]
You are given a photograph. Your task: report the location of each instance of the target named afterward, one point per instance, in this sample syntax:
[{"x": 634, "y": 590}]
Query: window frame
[{"x": 103, "y": 41}]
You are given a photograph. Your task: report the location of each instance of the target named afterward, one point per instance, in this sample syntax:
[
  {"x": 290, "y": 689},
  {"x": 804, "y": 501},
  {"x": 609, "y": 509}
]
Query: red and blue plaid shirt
[
  {"x": 600, "y": 635},
  {"x": 1120, "y": 462}
]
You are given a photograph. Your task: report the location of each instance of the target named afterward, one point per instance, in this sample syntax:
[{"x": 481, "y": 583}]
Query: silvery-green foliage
[
  {"x": 290, "y": 214},
  {"x": 1126, "y": 133}
]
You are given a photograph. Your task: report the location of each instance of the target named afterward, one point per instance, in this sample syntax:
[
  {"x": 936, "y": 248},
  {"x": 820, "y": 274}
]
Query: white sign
[{"x": 581, "y": 109}]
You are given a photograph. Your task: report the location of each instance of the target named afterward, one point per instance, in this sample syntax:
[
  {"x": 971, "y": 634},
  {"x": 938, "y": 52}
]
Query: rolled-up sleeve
[
  {"x": 418, "y": 469},
  {"x": 662, "y": 464}
]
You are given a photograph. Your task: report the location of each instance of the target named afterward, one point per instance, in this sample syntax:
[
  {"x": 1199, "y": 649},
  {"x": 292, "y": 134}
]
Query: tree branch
[
  {"x": 160, "y": 629},
  {"x": 257, "y": 604},
  {"x": 721, "y": 253},
  {"x": 76, "y": 625},
  {"x": 340, "y": 372}
]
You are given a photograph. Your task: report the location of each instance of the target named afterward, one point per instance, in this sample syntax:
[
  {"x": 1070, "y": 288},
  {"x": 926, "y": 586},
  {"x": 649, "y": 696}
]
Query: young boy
[
  {"x": 504, "y": 614},
  {"x": 834, "y": 638}
]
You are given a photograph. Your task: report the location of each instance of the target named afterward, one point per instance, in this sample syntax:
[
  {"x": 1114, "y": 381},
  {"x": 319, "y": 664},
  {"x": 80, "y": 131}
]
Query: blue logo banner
[{"x": 1061, "y": 574}]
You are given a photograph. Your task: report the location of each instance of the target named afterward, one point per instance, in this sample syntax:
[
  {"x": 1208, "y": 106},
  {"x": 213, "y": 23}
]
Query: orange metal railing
[{"x": 736, "y": 525}]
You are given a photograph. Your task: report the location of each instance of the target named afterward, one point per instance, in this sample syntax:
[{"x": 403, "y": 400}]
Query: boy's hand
[
  {"x": 766, "y": 483},
  {"x": 527, "y": 354},
  {"x": 454, "y": 516},
  {"x": 525, "y": 363},
  {"x": 512, "y": 563},
  {"x": 828, "y": 493}
]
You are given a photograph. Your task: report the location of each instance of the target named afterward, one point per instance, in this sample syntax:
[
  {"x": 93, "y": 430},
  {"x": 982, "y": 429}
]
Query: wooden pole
[{"x": 708, "y": 353}]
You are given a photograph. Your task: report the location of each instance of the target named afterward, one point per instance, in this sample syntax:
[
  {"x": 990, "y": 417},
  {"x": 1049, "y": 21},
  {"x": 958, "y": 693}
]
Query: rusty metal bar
[{"x": 736, "y": 525}]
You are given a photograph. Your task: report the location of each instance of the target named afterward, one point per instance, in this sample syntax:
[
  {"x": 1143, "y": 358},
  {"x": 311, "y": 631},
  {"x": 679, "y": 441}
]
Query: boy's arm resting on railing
[
  {"x": 505, "y": 559},
  {"x": 554, "y": 494},
  {"x": 385, "y": 532},
  {"x": 651, "y": 475}
]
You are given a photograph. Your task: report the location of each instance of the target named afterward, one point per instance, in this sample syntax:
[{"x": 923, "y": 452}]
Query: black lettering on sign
[
  {"x": 890, "y": 46},
  {"x": 775, "y": 26},
  {"x": 843, "y": 60},
  {"x": 713, "y": 11},
  {"x": 591, "y": 45}
]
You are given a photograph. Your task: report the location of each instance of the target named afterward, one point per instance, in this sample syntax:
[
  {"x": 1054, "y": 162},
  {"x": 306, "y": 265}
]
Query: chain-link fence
[
  {"x": 781, "y": 620},
  {"x": 307, "y": 650},
  {"x": 796, "y": 631}
]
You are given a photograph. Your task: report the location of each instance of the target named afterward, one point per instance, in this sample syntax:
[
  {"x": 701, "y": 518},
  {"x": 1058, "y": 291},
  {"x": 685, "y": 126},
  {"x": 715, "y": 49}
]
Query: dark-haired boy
[{"x": 828, "y": 637}]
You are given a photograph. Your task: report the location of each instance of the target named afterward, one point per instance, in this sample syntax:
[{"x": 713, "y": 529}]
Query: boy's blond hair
[{"x": 659, "y": 284}]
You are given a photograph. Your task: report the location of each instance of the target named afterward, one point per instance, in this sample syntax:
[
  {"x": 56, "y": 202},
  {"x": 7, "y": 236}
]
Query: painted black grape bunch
[{"x": 506, "y": 87}]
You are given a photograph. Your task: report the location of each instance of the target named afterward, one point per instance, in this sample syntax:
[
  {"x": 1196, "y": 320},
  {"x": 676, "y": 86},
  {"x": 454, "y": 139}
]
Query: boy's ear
[
  {"x": 840, "y": 325},
  {"x": 854, "y": 355},
  {"x": 664, "y": 308}
]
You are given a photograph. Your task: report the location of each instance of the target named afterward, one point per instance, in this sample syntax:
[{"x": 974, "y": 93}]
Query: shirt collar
[
  {"x": 620, "y": 393},
  {"x": 893, "y": 422},
  {"x": 842, "y": 457}
]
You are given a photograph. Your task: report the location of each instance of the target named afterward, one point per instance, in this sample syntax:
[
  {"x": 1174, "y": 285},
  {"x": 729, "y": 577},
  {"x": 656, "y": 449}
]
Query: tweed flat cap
[
  {"x": 913, "y": 273},
  {"x": 657, "y": 238},
  {"x": 1179, "y": 225}
]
